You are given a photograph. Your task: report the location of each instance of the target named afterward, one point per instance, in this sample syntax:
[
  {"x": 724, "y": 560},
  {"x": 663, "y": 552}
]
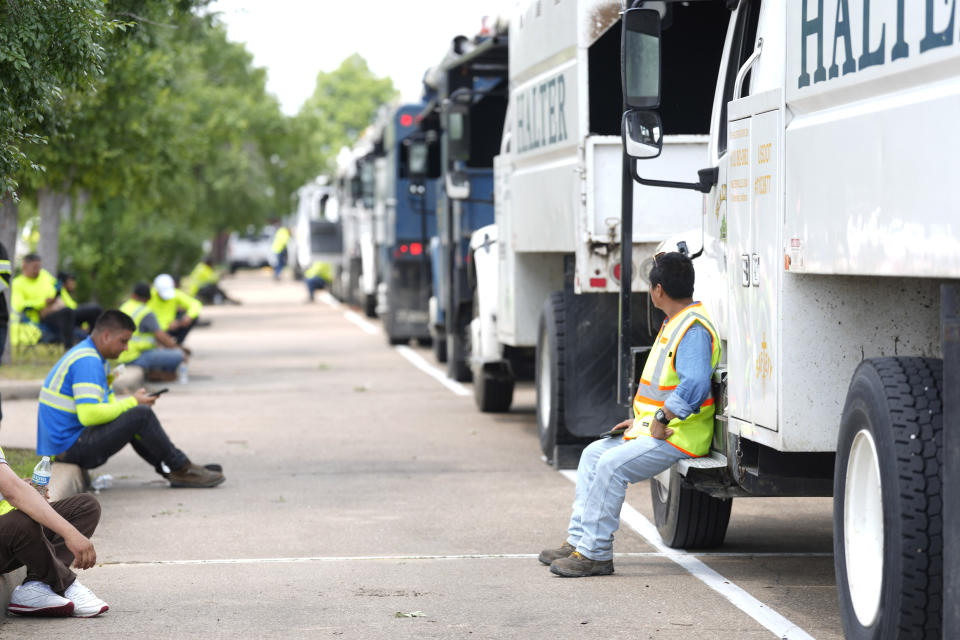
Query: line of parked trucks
[{"x": 511, "y": 216}]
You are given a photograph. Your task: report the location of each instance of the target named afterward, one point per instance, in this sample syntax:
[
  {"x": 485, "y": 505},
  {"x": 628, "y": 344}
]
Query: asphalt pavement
[{"x": 360, "y": 489}]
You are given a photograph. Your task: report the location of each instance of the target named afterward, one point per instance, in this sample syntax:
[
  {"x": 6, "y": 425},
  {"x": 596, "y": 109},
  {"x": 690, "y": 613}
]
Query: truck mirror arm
[{"x": 708, "y": 178}]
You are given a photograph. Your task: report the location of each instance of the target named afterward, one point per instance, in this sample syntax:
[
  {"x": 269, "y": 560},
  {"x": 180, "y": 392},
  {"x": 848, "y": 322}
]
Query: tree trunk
[
  {"x": 9, "y": 213},
  {"x": 52, "y": 205}
]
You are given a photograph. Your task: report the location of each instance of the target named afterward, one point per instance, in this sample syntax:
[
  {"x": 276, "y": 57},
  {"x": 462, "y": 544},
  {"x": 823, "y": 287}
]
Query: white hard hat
[{"x": 163, "y": 283}]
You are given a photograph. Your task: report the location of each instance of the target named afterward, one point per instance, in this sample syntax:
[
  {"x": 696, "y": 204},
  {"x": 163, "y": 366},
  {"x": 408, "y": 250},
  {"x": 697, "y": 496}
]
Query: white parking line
[
  {"x": 368, "y": 327},
  {"x": 763, "y": 614},
  {"x": 739, "y": 598},
  {"x": 329, "y": 299},
  {"x": 463, "y": 556},
  {"x": 417, "y": 360}
]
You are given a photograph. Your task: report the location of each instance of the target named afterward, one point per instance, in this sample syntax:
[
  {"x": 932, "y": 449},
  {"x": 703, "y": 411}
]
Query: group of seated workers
[
  {"x": 45, "y": 304},
  {"x": 45, "y": 311},
  {"x": 81, "y": 421}
]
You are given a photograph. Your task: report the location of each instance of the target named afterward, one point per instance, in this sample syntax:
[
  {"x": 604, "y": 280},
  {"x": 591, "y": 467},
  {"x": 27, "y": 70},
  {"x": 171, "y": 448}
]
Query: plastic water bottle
[
  {"x": 182, "y": 376},
  {"x": 41, "y": 476}
]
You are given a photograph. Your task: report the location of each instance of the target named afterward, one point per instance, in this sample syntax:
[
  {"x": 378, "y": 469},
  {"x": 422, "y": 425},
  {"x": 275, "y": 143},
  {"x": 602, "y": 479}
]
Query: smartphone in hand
[{"x": 158, "y": 393}]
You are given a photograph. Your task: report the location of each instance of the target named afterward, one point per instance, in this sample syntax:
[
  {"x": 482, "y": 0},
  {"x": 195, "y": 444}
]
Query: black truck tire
[
  {"x": 440, "y": 347},
  {"x": 549, "y": 373},
  {"x": 492, "y": 394},
  {"x": 887, "y": 508},
  {"x": 685, "y": 517},
  {"x": 457, "y": 349},
  {"x": 370, "y": 305}
]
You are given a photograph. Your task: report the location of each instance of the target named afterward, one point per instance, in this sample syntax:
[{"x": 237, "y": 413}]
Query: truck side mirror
[
  {"x": 418, "y": 155},
  {"x": 640, "y": 58},
  {"x": 457, "y": 184},
  {"x": 642, "y": 134},
  {"x": 458, "y": 132}
]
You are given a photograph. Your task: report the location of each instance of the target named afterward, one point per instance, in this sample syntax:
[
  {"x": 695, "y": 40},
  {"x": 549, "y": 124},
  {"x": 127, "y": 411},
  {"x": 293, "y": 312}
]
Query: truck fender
[{"x": 483, "y": 328}]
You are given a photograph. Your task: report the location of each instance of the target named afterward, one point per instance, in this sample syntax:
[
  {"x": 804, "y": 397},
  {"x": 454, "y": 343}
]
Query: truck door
[{"x": 754, "y": 200}]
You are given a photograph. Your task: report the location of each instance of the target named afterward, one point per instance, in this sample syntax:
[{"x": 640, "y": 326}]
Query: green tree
[
  {"x": 344, "y": 102},
  {"x": 46, "y": 50}
]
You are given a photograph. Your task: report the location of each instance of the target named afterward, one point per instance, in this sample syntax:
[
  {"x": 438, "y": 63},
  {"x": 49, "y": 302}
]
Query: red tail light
[
  {"x": 616, "y": 272},
  {"x": 416, "y": 248},
  {"x": 406, "y": 120},
  {"x": 404, "y": 248}
]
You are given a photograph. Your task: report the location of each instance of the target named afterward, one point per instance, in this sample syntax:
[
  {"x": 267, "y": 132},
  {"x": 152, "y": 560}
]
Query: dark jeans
[
  {"x": 59, "y": 327},
  {"x": 181, "y": 334},
  {"x": 23, "y": 542},
  {"x": 87, "y": 313},
  {"x": 313, "y": 284},
  {"x": 137, "y": 426}
]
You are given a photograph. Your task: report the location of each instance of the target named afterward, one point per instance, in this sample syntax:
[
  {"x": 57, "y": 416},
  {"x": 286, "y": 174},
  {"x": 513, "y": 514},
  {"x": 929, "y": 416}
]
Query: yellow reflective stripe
[
  {"x": 57, "y": 401},
  {"x": 4, "y": 266},
  {"x": 67, "y": 363},
  {"x": 61, "y": 373},
  {"x": 87, "y": 388}
]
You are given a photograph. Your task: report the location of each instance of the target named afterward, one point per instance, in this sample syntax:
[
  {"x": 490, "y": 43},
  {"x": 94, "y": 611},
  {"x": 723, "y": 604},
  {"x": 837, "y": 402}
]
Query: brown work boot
[
  {"x": 159, "y": 375},
  {"x": 577, "y": 565},
  {"x": 192, "y": 475},
  {"x": 547, "y": 556}
]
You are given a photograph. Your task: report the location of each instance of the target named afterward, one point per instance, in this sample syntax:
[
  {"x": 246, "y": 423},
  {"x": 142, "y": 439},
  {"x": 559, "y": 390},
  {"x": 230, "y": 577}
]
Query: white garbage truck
[
  {"x": 548, "y": 271},
  {"x": 317, "y": 227},
  {"x": 355, "y": 279},
  {"x": 830, "y": 264}
]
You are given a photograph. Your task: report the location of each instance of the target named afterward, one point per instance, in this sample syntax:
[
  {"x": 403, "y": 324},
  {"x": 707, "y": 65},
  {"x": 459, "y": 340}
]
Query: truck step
[{"x": 713, "y": 461}]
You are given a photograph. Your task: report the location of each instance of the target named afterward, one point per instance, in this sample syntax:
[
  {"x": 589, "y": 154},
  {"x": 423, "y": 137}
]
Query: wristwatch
[{"x": 661, "y": 417}]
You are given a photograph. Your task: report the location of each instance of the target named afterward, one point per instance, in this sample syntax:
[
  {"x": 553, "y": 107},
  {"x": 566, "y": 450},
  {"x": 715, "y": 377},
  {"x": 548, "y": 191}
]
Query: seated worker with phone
[{"x": 80, "y": 421}]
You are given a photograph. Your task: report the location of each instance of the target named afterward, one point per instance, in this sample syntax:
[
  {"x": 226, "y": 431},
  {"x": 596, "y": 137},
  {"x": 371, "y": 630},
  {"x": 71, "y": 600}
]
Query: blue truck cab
[
  {"x": 467, "y": 116},
  {"x": 405, "y": 214}
]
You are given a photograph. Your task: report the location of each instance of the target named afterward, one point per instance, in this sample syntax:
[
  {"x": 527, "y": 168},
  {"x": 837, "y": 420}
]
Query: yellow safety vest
[
  {"x": 280, "y": 240},
  {"x": 5, "y": 507},
  {"x": 32, "y": 293},
  {"x": 322, "y": 269},
  {"x": 693, "y": 434},
  {"x": 166, "y": 310},
  {"x": 202, "y": 275},
  {"x": 139, "y": 341}
]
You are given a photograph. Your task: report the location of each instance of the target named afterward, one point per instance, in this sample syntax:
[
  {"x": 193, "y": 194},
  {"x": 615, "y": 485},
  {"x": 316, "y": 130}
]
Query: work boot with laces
[
  {"x": 547, "y": 556},
  {"x": 195, "y": 476},
  {"x": 577, "y": 565}
]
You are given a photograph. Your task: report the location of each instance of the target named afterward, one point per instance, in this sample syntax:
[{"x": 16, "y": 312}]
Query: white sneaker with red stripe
[
  {"x": 36, "y": 598},
  {"x": 85, "y": 603}
]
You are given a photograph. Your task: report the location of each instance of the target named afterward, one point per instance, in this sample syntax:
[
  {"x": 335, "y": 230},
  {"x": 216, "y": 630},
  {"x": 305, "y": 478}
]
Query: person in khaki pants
[{"x": 46, "y": 538}]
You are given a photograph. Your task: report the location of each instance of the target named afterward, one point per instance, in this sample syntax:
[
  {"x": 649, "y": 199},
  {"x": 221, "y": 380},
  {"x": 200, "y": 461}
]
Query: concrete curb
[
  {"x": 129, "y": 380},
  {"x": 20, "y": 389},
  {"x": 9, "y": 582}
]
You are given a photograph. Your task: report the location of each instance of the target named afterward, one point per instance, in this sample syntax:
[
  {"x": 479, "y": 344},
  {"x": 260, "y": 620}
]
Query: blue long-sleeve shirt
[{"x": 694, "y": 370}]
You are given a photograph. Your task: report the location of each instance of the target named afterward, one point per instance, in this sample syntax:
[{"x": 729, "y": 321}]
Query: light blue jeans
[
  {"x": 160, "y": 358},
  {"x": 606, "y": 467}
]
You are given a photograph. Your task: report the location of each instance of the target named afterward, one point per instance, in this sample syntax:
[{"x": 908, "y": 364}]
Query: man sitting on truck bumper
[{"x": 672, "y": 419}]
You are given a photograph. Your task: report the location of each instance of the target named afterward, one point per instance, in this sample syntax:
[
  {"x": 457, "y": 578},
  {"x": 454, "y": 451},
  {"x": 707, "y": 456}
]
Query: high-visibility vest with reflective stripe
[
  {"x": 139, "y": 341},
  {"x": 5, "y": 507},
  {"x": 53, "y": 395},
  {"x": 693, "y": 434}
]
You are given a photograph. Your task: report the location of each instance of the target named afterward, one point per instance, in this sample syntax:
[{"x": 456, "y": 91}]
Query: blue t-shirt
[
  {"x": 79, "y": 377},
  {"x": 694, "y": 368}
]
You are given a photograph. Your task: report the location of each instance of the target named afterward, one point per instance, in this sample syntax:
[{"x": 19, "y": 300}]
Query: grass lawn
[
  {"x": 22, "y": 461},
  {"x": 34, "y": 366}
]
